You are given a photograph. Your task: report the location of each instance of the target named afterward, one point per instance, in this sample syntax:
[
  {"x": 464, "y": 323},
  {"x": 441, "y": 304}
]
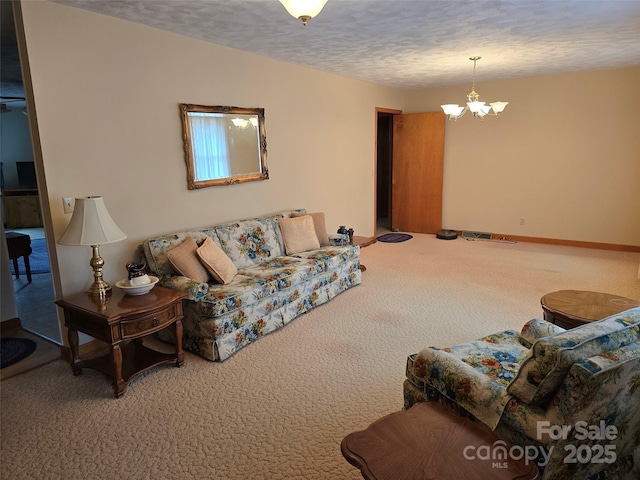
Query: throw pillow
[
  {"x": 219, "y": 265},
  {"x": 319, "y": 224},
  {"x": 298, "y": 234},
  {"x": 186, "y": 262}
]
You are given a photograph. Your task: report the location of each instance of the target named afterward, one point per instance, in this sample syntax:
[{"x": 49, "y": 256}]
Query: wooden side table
[
  {"x": 572, "y": 308},
  {"x": 121, "y": 321},
  {"x": 363, "y": 242},
  {"x": 429, "y": 441},
  {"x": 19, "y": 245}
]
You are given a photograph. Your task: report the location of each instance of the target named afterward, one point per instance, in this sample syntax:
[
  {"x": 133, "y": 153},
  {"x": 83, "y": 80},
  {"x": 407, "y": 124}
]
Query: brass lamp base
[{"x": 99, "y": 289}]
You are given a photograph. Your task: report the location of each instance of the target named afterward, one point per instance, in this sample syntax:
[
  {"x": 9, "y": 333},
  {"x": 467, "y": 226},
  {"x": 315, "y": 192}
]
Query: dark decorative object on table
[
  {"x": 343, "y": 230},
  {"x": 350, "y": 232},
  {"x": 136, "y": 269}
]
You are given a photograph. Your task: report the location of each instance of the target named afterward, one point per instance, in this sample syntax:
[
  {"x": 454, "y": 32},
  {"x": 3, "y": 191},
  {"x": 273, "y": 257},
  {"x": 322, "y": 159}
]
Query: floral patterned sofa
[
  {"x": 267, "y": 288},
  {"x": 570, "y": 398}
]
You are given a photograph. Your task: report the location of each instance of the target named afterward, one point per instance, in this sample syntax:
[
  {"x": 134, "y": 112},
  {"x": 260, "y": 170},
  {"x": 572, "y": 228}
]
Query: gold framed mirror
[{"x": 223, "y": 145}]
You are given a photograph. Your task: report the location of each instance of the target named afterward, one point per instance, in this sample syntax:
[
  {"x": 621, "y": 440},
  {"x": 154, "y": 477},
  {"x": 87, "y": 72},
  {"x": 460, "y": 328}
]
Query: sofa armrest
[
  {"x": 338, "y": 240},
  {"x": 535, "y": 329},
  {"x": 195, "y": 290},
  {"x": 484, "y": 397}
]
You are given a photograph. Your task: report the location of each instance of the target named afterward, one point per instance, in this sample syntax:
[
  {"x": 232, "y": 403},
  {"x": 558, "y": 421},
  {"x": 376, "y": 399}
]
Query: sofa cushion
[
  {"x": 250, "y": 241},
  {"x": 550, "y": 358},
  {"x": 185, "y": 260},
  {"x": 319, "y": 224},
  {"x": 298, "y": 234},
  {"x": 218, "y": 264},
  {"x": 155, "y": 249},
  {"x": 331, "y": 257},
  {"x": 253, "y": 284}
]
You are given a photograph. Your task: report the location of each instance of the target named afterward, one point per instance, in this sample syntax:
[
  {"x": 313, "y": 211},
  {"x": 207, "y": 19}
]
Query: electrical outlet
[
  {"x": 67, "y": 203},
  {"x": 521, "y": 220}
]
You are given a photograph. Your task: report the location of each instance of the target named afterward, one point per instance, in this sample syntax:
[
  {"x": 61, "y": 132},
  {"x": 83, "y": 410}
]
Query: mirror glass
[{"x": 223, "y": 145}]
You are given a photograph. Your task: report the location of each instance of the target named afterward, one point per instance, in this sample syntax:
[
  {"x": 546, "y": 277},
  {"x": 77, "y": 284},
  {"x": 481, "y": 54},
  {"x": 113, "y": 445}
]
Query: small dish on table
[{"x": 129, "y": 289}]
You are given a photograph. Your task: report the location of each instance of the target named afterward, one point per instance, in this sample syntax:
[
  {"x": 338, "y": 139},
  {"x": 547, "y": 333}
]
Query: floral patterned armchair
[{"x": 569, "y": 399}]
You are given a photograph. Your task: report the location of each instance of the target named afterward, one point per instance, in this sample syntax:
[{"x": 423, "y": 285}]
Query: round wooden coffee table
[{"x": 572, "y": 308}]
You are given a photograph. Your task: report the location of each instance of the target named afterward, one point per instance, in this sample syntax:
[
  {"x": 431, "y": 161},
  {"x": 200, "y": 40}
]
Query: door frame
[
  {"x": 379, "y": 110},
  {"x": 43, "y": 193}
]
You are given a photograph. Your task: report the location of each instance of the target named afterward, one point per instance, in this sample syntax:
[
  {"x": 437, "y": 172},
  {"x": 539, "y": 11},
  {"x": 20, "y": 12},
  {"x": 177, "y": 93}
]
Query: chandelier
[
  {"x": 474, "y": 105},
  {"x": 305, "y": 10}
]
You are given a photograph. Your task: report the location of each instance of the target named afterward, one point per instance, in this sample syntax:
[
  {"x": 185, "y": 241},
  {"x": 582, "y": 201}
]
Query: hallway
[{"x": 35, "y": 300}]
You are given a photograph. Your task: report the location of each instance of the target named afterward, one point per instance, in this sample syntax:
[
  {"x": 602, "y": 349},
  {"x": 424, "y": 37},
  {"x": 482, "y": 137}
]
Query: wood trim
[
  {"x": 569, "y": 243},
  {"x": 11, "y": 324},
  {"x": 387, "y": 110}
]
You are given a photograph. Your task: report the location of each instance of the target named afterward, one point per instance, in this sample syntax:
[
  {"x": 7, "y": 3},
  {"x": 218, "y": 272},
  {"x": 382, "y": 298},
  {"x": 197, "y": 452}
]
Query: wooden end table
[
  {"x": 19, "y": 245},
  {"x": 429, "y": 441},
  {"x": 121, "y": 321},
  {"x": 363, "y": 242},
  {"x": 572, "y": 308}
]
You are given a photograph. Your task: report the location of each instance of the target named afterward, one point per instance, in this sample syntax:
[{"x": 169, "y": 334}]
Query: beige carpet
[{"x": 279, "y": 408}]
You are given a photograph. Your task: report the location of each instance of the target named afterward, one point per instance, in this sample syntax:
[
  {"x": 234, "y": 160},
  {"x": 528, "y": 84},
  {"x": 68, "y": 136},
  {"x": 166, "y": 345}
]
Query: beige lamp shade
[{"x": 91, "y": 224}]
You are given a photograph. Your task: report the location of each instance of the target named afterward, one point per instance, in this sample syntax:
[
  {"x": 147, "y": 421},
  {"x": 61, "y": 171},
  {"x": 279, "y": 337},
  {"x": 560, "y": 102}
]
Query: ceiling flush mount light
[
  {"x": 305, "y": 10},
  {"x": 478, "y": 108}
]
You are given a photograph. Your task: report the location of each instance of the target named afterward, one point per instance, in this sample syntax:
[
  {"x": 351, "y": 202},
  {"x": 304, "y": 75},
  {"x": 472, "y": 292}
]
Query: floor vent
[{"x": 476, "y": 235}]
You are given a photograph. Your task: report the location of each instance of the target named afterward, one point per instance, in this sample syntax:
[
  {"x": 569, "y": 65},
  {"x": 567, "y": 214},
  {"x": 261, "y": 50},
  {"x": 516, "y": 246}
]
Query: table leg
[
  {"x": 15, "y": 267},
  {"x": 119, "y": 384},
  {"x": 27, "y": 267},
  {"x": 179, "y": 351},
  {"x": 76, "y": 363}
]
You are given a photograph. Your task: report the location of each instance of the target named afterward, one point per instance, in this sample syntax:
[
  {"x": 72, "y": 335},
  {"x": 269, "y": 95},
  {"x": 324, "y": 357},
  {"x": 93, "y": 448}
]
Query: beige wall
[
  {"x": 106, "y": 96},
  {"x": 565, "y": 156}
]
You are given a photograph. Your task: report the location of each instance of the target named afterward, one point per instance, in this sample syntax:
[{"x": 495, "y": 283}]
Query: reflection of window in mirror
[
  {"x": 223, "y": 145},
  {"x": 209, "y": 145}
]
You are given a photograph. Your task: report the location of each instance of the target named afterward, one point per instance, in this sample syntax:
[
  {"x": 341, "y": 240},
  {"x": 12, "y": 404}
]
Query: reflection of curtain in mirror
[{"x": 209, "y": 144}]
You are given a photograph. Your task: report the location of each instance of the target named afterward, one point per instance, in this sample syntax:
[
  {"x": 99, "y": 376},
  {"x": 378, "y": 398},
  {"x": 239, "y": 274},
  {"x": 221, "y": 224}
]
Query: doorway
[
  {"x": 409, "y": 171},
  {"x": 34, "y": 300},
  {"x": 384, "y": 169}
]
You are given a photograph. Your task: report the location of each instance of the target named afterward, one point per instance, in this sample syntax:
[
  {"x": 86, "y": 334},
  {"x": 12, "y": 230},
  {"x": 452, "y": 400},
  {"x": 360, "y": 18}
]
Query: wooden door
[{"x": 418, "y": 166}]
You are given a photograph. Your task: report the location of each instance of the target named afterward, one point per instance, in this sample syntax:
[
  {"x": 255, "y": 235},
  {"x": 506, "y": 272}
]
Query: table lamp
[{"x": 92, "y": 225}]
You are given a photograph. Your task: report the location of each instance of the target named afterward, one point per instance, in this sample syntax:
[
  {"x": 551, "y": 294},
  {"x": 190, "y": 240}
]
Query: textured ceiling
[{"x": 409, "y": 43}]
